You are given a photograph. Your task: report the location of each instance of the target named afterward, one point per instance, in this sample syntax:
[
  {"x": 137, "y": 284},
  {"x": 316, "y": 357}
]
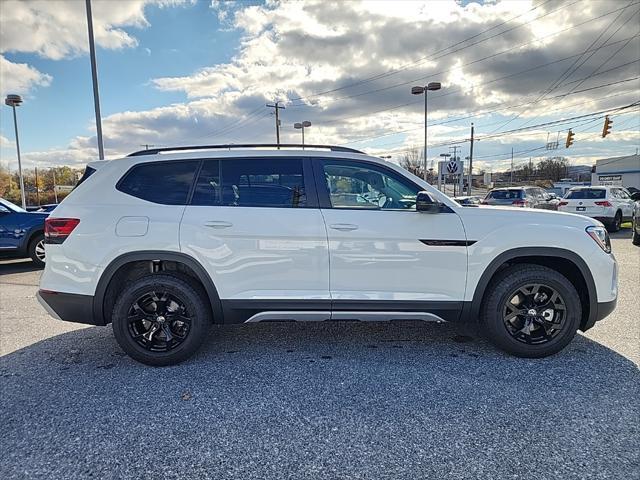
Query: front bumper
[{"x": 69, "y": 307}]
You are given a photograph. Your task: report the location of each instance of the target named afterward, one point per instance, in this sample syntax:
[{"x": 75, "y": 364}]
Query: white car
[
  {"x": 610, "y": 205},
  {"x": 165, "y": 242}
]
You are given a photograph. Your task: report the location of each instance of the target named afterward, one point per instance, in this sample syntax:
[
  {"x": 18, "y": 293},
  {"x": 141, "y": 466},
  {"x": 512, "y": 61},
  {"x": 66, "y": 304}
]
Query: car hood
[{"x": 514, "y": 216}]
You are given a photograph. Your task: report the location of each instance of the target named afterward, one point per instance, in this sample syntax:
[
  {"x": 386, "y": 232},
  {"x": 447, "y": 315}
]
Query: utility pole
[
  {"x": 94, "y": 76},
  {"x": 147, "y": 145},
  {"x": 470, "y": 163},
  {"x": 511, "y": 179},
  {"x": 55, "y": 191},
  {"x": 37, "y": 189},
  {"x": 276, "y": 106}
]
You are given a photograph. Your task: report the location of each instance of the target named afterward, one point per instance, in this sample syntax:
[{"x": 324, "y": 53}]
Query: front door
[
  {"x": 383, "y": 254},
  {"x": 255, "y": 225}
]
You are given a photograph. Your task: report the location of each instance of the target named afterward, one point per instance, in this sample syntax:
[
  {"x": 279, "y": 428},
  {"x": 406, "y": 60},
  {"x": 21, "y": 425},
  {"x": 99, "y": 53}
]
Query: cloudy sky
[{"x": 176, "y": 72}]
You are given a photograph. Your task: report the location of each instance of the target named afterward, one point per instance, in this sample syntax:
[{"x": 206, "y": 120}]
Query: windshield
[
  {"x": 587, "y": 193},
  {"x": 11, "y": 206},
  {"x": 505, "y": 194}
]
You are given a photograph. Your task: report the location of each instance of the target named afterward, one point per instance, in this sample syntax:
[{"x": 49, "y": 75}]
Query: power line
[
  {"x": 475, "y": 114},
  {"x": 467, "y": 64},
  {"x": 433, "y": 56},
  {"x": 571, "y": 70}
]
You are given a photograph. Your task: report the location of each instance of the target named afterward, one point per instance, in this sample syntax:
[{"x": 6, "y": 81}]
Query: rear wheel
[
  {"x": 531, "y": 311},
  {"x": 616, "y": 223},
  {"x": 161, "y": 319},
  {"x": 36, "y": 250}
]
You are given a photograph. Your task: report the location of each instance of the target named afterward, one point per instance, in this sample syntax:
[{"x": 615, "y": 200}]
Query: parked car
[
  {"x": 635, "y": 218},
  {"x": 21, "y": 233},
  {"x": 530, "y": 197},
  {"x": 469, "y": 201},
  {"x": 166, "y": 242},
  {"x": 47, "y": 208},
  {"x": 610, "y": 205}
]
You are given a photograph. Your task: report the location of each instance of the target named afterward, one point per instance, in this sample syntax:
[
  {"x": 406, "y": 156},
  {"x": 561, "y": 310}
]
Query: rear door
[
  {"x": 255, "y": 225},
  {"x": 383, "y": 254},
  {"x": 624, "y": 201}
]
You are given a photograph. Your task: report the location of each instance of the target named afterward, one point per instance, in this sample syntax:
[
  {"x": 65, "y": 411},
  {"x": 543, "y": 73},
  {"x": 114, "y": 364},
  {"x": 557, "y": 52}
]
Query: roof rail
[{"x": 155, "y": 151}]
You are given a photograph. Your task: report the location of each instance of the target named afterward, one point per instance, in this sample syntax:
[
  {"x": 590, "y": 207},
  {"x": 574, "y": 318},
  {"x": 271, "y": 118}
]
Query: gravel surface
[{"x": 363, "y": 401}]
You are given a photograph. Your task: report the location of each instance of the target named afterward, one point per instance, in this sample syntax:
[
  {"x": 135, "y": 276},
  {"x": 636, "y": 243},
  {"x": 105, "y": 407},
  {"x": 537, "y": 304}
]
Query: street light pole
[
  {"x": 94, "y": 76},
  {"x": 302, "y": 126},
  {"x": 420, "y": 91},
  {"x": 14, "y": 101}
]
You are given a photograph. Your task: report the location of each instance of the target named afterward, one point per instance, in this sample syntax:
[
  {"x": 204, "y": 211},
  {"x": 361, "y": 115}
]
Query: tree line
[{"x": 40, "y": 191}]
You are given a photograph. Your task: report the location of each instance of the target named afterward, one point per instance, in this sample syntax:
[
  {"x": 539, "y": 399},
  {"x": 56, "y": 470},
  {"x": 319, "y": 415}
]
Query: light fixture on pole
[
  {"x": 386, "y": 157},
  {"x": 302, "y": 126},
  {"x": 14, "y": 101},
  {"x": 419, "y": 91}
]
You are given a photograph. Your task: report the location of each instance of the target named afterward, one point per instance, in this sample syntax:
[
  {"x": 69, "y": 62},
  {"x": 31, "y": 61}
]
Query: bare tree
[{"x": 412, "y": 161}]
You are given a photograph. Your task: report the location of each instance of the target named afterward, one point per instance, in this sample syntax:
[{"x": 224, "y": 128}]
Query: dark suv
[{"x": 531, "y": 197}]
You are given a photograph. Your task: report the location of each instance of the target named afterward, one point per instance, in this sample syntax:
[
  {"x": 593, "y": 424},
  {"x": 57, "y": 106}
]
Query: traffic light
[
  {"x": 607, "y": 126},
  {"x": 570, "y": 136}
]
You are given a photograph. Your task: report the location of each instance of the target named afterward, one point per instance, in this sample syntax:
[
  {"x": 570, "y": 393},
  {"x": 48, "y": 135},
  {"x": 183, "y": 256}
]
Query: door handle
[
  {"x": 343, "y": 227},
  {"x": 218, "y": 224}
]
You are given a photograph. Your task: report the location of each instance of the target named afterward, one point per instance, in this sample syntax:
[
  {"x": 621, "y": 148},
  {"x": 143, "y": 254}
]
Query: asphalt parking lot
[{"x": 363, "y": 401}]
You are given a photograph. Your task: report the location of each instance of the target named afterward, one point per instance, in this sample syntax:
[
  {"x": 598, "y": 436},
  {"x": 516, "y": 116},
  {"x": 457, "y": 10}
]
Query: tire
[
  {"x": 176, "y": 303},
  {"x": 616, "y": 223},
  {"x": 494, "y": 311},
  {"x": 36, "y": 250},
  {"x": 635, "y": 238}
]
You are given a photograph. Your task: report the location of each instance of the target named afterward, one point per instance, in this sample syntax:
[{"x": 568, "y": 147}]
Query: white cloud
[
  {"x": 20, "y": 77},
  {"x": 5, "y": 142},
  {"x": 293, "y": 50}
]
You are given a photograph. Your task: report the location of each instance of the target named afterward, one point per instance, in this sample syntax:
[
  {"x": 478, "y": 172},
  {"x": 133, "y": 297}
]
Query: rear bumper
[{"x": 69, "y": 307}]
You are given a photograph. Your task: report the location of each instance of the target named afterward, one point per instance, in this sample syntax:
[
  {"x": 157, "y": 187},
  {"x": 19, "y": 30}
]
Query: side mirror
[
  {"x": 635, "y": 197},
  {"x": 425, "y": 204}
]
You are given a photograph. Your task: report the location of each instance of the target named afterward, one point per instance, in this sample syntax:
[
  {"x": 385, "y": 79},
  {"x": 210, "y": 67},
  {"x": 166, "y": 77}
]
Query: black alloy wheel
[
  {"x": 530, "y": 310},
  {"x": 162, "y": 318},
  {"x": 158, "y": 321},
  {"x": 534, "y": 313}
]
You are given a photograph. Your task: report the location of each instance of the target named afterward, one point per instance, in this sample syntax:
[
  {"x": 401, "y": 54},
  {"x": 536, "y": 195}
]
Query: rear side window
[
  {"x": 88, "y": 171},
  {"x": 505, "y": 194},
  {"x": 586, "y": 194},
  {"x": 167, "y": 183},
  {"x": 251, "y": 183}
]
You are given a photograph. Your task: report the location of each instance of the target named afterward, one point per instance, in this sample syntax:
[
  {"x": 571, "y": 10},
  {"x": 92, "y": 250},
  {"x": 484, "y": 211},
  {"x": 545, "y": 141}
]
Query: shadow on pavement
[
  {"x": 17, "y": 266},
  {"x": 378, "y": 400}
]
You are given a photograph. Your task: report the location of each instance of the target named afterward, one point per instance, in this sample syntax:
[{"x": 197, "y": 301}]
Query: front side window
[
  {"x": 166, "y": 183},
  {"x": 365, "y": 186},
  {"x": 260, "y": 182}
]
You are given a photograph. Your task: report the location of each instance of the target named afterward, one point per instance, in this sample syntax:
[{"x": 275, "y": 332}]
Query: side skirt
[{"x": 252, "y": 311}]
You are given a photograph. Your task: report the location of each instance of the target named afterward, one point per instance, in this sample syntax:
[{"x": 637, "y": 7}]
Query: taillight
[
  {"x": 56, "y": 230},
  {"x": 519, "y": 203},
  {"x": 605, "y": 203},
  {"x": 562, "y": 204}
]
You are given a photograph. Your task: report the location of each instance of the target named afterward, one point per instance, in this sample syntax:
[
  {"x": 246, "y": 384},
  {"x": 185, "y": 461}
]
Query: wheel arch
[
  {"x": 115, "y": 272},
  {"x": 568, "y": 263}
]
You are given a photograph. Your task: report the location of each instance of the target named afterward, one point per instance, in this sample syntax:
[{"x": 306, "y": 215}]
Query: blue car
[{"x": 21, "y": 233}]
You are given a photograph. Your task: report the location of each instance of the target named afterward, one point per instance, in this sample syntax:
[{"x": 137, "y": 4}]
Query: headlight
[{"x": 601, "y": 237}]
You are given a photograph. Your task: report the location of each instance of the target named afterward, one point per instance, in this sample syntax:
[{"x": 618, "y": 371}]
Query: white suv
[
  {"x": 165, "y": 242},
  {"x": 610, "y": 205}
]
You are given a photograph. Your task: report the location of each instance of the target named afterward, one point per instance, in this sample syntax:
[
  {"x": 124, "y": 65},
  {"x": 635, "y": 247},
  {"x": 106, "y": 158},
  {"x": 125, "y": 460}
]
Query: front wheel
[
  {"x": 161, "y": 319},
  {"x": 531, "y": 311}
]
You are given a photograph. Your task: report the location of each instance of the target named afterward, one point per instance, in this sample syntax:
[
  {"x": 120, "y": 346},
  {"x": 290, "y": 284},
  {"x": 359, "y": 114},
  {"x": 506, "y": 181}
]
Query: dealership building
[{"x": 618, "y": 171}]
